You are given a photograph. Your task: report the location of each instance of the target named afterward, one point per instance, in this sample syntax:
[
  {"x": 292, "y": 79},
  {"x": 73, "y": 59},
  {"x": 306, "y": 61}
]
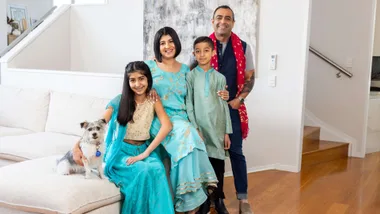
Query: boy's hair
[
  {"x": 224, "y": 7},
  {"x": 200, "y": 40},
  {"x": 204, "y": 39},
  {"x": 127, "y": 105},
  {"x": 156, "y": 43}
]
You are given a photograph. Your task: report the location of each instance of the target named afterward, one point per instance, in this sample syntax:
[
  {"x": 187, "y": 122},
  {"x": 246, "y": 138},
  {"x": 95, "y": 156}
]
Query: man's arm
[
  {"x": 249, "y": 83},
  {"x": 249, "y": 73}
]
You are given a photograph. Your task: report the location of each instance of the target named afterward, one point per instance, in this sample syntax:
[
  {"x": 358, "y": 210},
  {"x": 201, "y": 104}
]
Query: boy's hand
[
  {"x": 227, "y": 142},
  {"x": 200, "y": 134},
  {"x": 224, "y": 94}
]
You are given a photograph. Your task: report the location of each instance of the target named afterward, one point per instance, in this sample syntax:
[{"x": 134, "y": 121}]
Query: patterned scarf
[{"x": 240, "y": 68}]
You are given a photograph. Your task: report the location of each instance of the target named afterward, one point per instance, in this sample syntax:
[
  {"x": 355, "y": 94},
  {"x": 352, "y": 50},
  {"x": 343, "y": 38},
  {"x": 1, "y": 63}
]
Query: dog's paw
[{"x": 87, "y": 176}]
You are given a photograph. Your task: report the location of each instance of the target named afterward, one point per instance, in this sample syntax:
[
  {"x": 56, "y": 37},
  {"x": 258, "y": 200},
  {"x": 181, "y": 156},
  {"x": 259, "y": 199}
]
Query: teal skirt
[
  {"x": 191, "y": 171},
  {"x": 144, "y": 184}
]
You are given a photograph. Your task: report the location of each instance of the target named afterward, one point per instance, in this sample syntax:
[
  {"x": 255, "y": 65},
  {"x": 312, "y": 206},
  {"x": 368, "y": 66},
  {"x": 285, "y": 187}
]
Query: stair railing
[{"x": 332, "y": 63}]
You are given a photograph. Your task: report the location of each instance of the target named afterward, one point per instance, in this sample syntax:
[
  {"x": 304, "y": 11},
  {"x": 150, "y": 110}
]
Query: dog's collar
[{"x": 98, "y": 153}]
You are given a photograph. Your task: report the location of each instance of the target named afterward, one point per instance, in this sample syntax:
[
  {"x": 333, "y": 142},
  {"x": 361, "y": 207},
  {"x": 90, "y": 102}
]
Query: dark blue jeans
[{"x": 238, "y": 163}]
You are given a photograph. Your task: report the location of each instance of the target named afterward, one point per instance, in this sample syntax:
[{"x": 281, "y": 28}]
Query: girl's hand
[
  {"x": 153, "y": 96},
  {"x": 227, "y": 142},
  {"x": 139, "y": 157},
  {"x": 224, "y": 94}
]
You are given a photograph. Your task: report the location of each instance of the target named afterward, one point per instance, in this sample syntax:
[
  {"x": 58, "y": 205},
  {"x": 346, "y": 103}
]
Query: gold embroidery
[{"x": 142, "y": 120}]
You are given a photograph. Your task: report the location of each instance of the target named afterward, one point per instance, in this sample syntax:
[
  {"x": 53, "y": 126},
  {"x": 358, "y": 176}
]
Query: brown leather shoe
[{"x": 245, "y": 208}]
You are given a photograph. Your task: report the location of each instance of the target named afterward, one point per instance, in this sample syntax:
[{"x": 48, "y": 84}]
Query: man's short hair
[{"x": 224, "y": 7}]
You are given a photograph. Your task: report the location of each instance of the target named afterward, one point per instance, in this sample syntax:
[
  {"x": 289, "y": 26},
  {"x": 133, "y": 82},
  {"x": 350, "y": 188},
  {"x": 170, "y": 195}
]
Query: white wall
[
  {"x": 3, "y": 25},
  {"x": 340, "y": 33},
  {"x": 276, "y": 113},
  {"x": 36, "y": 8},
  {"x": 104, "y": 38},
  {"x": 376, "y": 46},
  {"x": 46, "y": 47}
]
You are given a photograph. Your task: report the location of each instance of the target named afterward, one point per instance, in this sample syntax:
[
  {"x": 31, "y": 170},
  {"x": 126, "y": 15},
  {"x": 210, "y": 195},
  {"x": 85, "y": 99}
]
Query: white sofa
[{"x": 36, "y": 128}]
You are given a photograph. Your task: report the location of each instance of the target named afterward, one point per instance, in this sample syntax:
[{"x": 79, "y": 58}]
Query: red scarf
[{"x": 240, "y": 68}]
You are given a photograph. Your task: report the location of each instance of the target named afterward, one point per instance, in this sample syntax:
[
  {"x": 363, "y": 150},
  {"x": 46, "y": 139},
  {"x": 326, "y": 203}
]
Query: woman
[{"x": 191, "y": 170}]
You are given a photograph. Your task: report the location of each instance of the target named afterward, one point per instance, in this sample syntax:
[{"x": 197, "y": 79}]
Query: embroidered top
[{"x": 138, "y": 129}]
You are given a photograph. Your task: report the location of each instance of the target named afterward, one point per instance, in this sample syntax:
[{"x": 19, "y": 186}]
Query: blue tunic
[
  {"x": 191, "y": 169},
  {"x": 143, "y": 184}
]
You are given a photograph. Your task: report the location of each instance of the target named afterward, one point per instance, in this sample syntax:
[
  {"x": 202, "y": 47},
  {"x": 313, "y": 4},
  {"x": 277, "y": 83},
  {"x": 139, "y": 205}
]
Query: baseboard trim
[{"x": 276, "y": 166}]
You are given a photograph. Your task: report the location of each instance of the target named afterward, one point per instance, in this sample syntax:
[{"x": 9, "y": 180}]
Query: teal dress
[
  {"x": 144, "y": 185},
  {"x": 191, "y": 170}
]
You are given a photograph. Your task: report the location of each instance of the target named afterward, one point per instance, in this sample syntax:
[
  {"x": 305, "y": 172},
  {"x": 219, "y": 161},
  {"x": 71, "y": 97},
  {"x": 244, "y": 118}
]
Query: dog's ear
[
  {"x": 103, "y": 121},
  {"x": 84, "y": 124}
]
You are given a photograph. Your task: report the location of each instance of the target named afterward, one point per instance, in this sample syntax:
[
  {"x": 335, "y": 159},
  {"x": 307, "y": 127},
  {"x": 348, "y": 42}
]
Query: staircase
[{"x": 315, "y": 151}]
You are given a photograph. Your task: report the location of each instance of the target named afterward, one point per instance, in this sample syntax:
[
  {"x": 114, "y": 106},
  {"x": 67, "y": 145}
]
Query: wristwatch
[{"x": 241, "y": 99}]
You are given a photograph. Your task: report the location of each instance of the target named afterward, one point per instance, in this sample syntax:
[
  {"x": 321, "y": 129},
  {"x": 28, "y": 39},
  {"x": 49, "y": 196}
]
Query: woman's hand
[
  {"x": 224, "y": 94},
  {"x": 139, "y": 157},
  {"x": 78, "y": 155},
  {"x": 153, "y": 96}
]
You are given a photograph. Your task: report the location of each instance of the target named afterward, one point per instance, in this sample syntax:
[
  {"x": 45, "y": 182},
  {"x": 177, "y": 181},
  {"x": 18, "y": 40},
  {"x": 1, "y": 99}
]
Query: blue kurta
[
  {"x": 191, "y": 169},
  {"x": 207, "y": 111},
  {"x": 143, "y": 184}
]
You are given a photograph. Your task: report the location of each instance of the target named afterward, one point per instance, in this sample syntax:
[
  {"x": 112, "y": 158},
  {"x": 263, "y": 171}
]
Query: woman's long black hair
[
  {"x": 127, "y": 105},
  {"x": 156, "y": 43}
]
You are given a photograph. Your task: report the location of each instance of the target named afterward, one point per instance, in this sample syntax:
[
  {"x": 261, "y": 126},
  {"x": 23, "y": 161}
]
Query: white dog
[{"x": 92, "y": 146}]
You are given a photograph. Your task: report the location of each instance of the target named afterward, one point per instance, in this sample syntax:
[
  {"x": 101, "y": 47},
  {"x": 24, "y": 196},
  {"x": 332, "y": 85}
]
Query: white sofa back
[
  {"x": 67, "y": 111},
  {"x": 24, "y": 108}
]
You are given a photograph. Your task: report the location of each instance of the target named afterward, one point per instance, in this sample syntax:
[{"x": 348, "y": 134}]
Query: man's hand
[
  {"x": 224, "y": 94},
  {"x": 78, "y": 155},
  {"x": 139, "y": 157},
  {"x": 235, "y": 103},
  {"x": 153, "y": 96},
  {"x": 227, "y": 142}
]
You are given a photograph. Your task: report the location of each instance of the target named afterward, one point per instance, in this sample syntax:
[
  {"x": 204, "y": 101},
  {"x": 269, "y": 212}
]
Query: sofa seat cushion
[
  {"x": 9, "y": 131},
  {"x": 36, "y": 145},
  {"x": 34, "y": 186}
]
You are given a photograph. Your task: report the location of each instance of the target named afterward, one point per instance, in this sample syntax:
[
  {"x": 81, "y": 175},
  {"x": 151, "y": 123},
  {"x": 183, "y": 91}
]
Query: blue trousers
[{"x": 238, "y": 163}]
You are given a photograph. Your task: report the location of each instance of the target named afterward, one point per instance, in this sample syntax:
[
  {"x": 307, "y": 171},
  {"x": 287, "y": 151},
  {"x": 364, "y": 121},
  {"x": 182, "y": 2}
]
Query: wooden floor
[{"x": 342, "y": 186}]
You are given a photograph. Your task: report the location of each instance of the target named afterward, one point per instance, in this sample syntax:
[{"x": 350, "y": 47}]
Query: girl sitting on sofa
[{"x": 131, "y": 163}]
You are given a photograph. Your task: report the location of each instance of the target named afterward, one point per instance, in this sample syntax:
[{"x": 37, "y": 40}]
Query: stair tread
[
  {"x": 307, "y": 130},
  {"x": 323, "y": 145}
]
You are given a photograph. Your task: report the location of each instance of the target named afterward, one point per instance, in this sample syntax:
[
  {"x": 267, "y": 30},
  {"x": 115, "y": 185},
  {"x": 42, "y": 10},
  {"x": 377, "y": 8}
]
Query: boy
[{"x": 209, "y": 114}]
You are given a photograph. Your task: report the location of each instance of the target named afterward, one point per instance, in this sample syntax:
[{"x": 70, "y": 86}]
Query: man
[{"x": 234, "y": 60}]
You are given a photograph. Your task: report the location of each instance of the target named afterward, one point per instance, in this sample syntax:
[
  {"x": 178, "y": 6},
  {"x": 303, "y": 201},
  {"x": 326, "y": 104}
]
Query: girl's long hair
[{"x": 127, "y": 105}]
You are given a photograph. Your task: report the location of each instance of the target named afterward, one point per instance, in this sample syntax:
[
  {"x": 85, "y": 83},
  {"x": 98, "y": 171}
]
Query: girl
[
  {"x": 130, "y": 162},
  {"x": 190, "y": 167}
]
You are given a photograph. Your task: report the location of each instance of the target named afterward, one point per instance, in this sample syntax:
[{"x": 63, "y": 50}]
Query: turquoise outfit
[
  {"x": 143, "y": 184},
  {"x": 191, "y": 170}
]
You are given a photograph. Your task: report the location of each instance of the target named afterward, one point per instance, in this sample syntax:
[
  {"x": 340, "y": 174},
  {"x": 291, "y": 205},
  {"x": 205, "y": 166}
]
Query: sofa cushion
[
  {"x": 36, "y": 145},
  {"x": 67, "y": 111},
  {"x": 8, "y": 131},
  {"x": 34, "y": 186},
  {"x": 24, "y": 108}
]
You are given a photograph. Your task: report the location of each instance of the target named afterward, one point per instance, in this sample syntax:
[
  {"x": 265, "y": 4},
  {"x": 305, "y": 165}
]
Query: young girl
[
  {"x": 209, "y": 113},
  {"x": 130, "y": 162}
]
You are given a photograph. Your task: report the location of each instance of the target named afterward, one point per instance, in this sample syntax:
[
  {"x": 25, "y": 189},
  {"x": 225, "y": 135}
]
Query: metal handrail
[
  {"x": 332, "y": 63},
  {"x": 25, "y": 33}
]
